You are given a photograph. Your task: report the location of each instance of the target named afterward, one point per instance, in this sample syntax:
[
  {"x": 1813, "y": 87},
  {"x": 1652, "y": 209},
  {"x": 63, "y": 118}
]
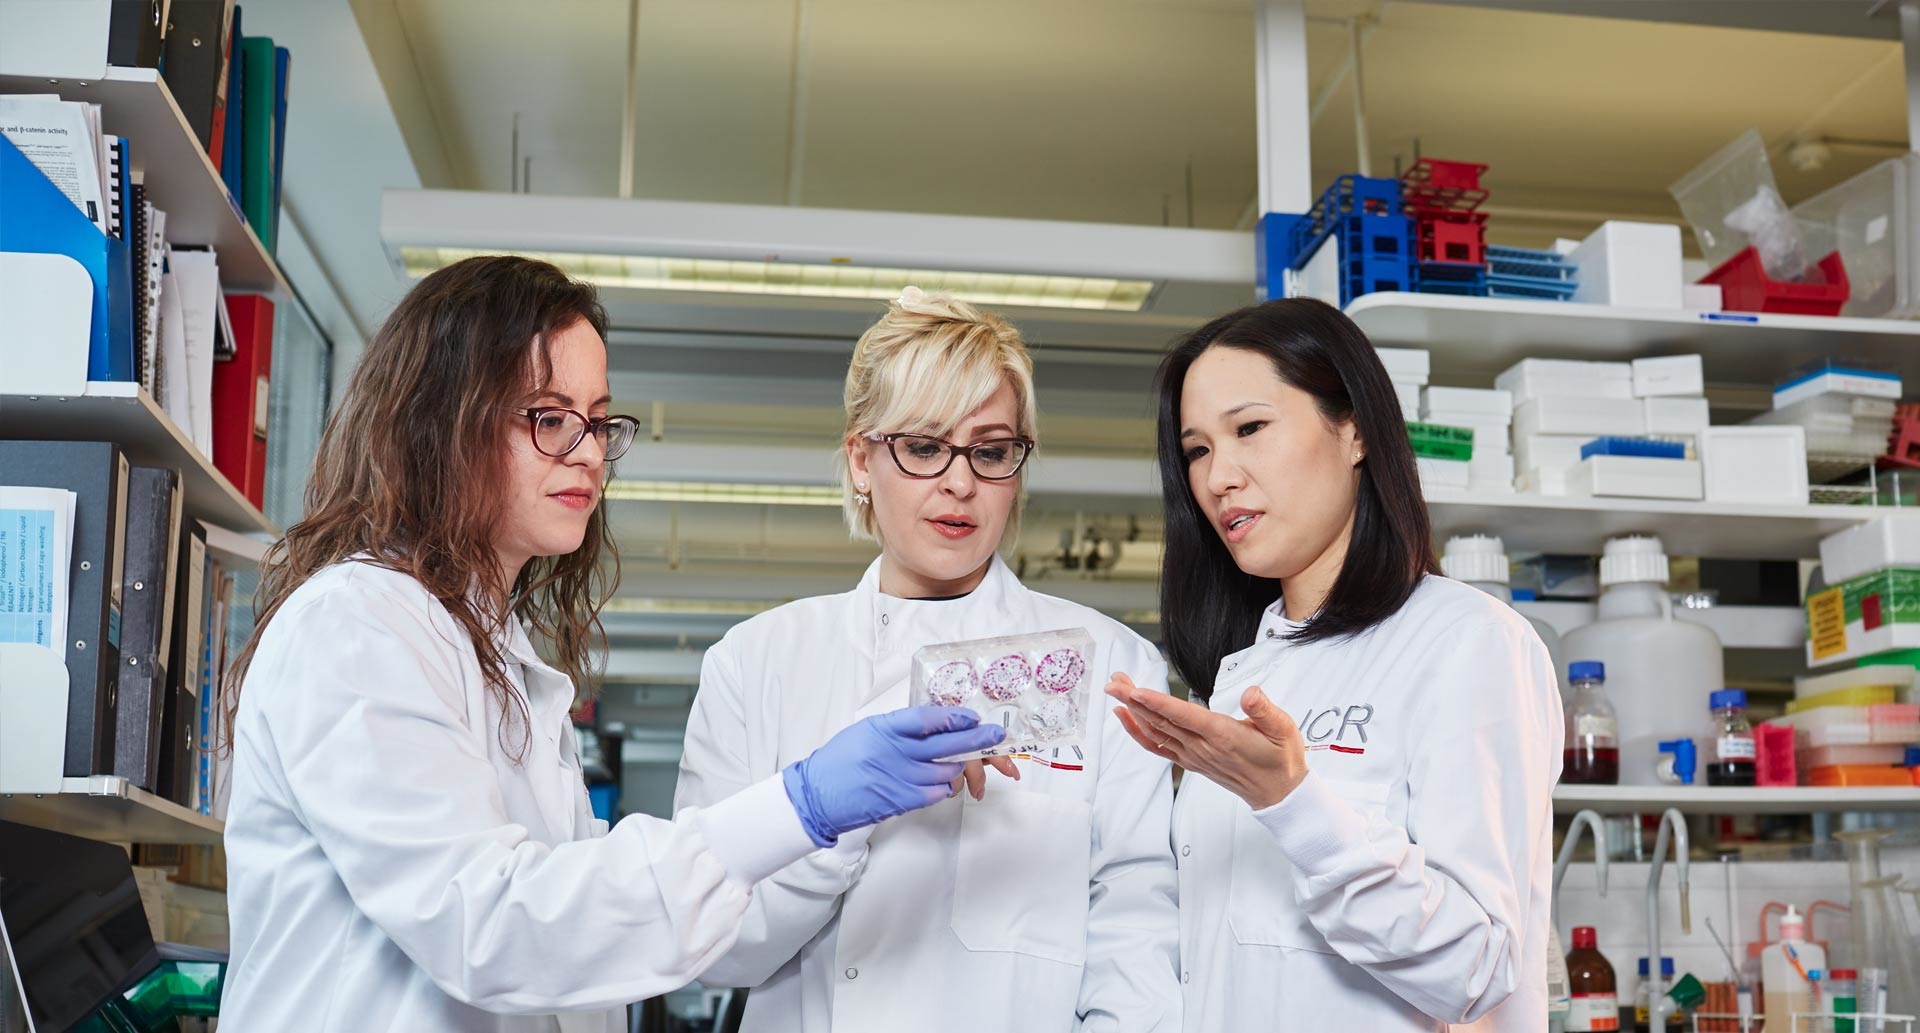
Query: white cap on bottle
[
  {"x": 1793, "y": 925},
  {"x": 1632, "y": 559},
  {"x": 1475, "y": 558}
]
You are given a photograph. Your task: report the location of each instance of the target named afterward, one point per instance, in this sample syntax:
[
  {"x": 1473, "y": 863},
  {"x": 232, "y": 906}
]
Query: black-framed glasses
[
  {"x": 558, "y": 431},
  {"x": 918, "y": 455}
]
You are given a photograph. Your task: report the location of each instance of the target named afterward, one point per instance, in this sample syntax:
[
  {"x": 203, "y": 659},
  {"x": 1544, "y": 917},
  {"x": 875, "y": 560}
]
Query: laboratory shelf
[
  {"x": 107, "y": 807},
  {"x": 1580, "y": 525},
  {"x": 1474, "y": 339},
  {"x": 124, "y": 413},
  {"x": 1738, "y": 627},
  {"x": 1721, "y": 800},
  {"x": 179, "y": 177}
]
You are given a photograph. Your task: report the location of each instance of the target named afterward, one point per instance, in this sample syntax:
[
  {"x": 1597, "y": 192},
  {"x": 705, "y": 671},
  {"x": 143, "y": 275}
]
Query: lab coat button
[
  {"x": 1234, "y": 666},
  {"x": 1186, "y": 851},
  {"x": 883, "y": 618},
  {"x": 1186, "y": 977},
  {"x": 1272, "y": 633},
  {"x": 853, "y": 973}
]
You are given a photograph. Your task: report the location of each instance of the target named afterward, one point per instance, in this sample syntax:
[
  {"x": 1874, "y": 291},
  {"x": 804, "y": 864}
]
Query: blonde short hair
[{"x": 927, "y": 364}]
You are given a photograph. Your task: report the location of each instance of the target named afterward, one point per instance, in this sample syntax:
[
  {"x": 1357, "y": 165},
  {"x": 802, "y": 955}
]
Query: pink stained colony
[
  {"x": 952, "y": 684},
  {"x": 1007, "y": 678},
  {"x": 1060, "y": 670}
]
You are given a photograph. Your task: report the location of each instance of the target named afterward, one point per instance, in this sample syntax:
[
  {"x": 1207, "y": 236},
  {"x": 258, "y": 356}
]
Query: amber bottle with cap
[{"x": 1596, "y": 1001}]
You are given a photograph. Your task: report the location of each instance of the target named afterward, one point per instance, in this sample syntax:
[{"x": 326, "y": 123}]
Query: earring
[
  {"x": 1357, "y": 456},
  {"x": 860, "y": 496}
]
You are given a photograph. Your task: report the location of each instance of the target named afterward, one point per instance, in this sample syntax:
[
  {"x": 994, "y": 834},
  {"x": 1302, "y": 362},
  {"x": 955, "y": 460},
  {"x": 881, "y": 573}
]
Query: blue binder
[{"x": 36, "y": 217}]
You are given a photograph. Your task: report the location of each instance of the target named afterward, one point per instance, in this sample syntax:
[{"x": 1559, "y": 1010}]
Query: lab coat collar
[{"x": 896, "y": 628}]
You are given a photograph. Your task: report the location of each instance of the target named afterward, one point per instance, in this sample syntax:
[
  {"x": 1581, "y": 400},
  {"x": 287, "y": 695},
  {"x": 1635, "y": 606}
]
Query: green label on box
[{"x": 1890, "y": 596}]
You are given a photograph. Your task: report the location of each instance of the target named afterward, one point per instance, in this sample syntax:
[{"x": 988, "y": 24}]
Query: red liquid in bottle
[{"x": 1596, "y": 765}]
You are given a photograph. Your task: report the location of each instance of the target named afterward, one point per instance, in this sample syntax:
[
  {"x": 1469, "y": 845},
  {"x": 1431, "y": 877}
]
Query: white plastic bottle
[
  {"x": 1787, "y": 992},
  {"x": 1480, "y": 560},
  {"x": 1658, "y": 668}
]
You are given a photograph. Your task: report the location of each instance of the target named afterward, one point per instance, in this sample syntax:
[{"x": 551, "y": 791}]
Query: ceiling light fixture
[
  {"x": 706, "y": 248},
  {"x": 623, "y": 490},
  {"x": 723, "y": 276}
]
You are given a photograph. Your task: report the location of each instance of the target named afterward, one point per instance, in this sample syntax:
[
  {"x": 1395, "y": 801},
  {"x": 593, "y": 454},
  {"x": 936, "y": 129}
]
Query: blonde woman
[{"x": 1044, "y": 905}]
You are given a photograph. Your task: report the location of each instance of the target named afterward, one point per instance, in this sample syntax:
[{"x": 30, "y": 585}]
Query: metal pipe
[
  {"x": 630, "y": 110},
  {"x": 797, "y": 101},
  {"x": 1365, "y": 163},
  {"x": 1673, "y": 827},
  {"x": 1589, "y": 820}
]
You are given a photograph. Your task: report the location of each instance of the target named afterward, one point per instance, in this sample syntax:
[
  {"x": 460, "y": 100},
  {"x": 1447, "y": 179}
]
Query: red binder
[{"x": 240, "y": 397}]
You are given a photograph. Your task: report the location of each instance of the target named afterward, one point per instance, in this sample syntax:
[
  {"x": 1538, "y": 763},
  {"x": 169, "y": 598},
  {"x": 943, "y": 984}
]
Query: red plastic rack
[{"x": 1443, "y": 187}]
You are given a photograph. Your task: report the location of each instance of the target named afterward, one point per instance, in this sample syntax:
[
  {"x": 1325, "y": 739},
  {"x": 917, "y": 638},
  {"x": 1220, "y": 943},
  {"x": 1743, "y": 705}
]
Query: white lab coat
[
  {"x": 390, "y": 867},
  {"x": 1049, "y": 906},
  {"x": 1403, "y": 885}
]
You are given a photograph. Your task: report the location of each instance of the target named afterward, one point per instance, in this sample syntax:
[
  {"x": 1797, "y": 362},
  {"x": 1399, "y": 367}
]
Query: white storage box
[
  {"x": 1494, "y": 403},
  {"x": 1544, "y": 480},
  {"x": 1701, "y": 297},
  {"x": 1487, "y": 436},
  {"x": 1635, "y": 477},
  {"x": 1899, "y": 676},
  {"x": 1552, "y": 378},
  {"x": 1838, "y": 381},
  {"x": 1450, "y": 474},
  {"x": 1491, "y": 467},
  {"x": 1671, "y": 375},
  {"x": 1892, "y": 541},
  {"x": 1676, "y": 415},
  {"x": 1758, "y": 465},
  {"x": 1597, "y": 417},
  {"x": 1548, "y": 450},
  {"x": 1407, "y": 365},
  {"x": 1630, "y": 264},
  {"x": 1409, "y": 395}
]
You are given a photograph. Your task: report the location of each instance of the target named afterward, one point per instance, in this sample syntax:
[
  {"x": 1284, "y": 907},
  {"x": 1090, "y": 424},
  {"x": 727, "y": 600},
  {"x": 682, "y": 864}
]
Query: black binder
[
  {"x": 180, "y": 716},
  {"x": 135, "y": 33},
  {"x": 96, "y": 471},
  {"x": 196, "y": 61},
  {"x": 146, "y": 623}
]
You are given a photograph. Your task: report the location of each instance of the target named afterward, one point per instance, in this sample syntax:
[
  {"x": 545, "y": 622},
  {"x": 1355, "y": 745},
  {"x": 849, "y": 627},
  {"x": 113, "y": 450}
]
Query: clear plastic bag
[
  {"x": 1035, "y": 686},
  {"x": 1733, "y": 202}
]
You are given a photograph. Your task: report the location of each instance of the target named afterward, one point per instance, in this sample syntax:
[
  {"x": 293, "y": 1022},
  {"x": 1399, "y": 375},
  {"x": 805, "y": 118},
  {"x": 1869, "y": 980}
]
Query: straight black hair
[{"x": 1209, "y": 607}]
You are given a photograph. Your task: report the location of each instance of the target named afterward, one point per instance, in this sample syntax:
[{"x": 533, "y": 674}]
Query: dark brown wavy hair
[{"x": 405, "y": 464}]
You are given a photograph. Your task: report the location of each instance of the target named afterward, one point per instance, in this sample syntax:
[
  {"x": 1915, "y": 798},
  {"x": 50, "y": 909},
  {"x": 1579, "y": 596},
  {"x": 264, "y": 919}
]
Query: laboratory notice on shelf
[
  {"x": 36, "y": 548},
  {"x": 58, "y": 137}
]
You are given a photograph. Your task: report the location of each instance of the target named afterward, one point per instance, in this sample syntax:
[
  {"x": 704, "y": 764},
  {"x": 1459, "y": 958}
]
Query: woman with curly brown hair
[{"x": 409, "y": 845}]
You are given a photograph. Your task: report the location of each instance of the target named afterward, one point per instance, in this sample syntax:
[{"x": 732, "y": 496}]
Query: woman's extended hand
[
  {"x": 975, "y": 776},
  {"x": 1259, "y": 760}
]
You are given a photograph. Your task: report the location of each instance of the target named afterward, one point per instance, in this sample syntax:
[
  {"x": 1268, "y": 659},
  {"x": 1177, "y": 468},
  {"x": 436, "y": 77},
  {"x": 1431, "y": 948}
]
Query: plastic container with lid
[
  {"x": 1869, "y": 219},
  {"x": 1481, "y": 560},
  {"x": 1647, "y": 991},
  {"x": 1842, "y": 989},
  {"x": 1733, "y": 752},
  {"x": 1659, "y": 669},
  {"x": 1591, "y": 755}
]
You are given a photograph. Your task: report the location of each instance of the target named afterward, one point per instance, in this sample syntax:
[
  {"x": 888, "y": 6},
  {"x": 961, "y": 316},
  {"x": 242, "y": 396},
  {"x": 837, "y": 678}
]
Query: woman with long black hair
[{"x": 1364, "y": 834}]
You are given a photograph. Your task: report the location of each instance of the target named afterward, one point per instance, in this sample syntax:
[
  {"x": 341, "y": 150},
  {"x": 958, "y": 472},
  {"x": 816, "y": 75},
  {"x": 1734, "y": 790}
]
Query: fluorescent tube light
[
  {"x": 725, "y": 276},
  {"x": 623, "y": 490}
]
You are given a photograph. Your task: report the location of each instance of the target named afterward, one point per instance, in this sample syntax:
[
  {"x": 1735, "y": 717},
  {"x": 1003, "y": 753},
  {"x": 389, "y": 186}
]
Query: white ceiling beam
[{"x": 1284, "y": 125}]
